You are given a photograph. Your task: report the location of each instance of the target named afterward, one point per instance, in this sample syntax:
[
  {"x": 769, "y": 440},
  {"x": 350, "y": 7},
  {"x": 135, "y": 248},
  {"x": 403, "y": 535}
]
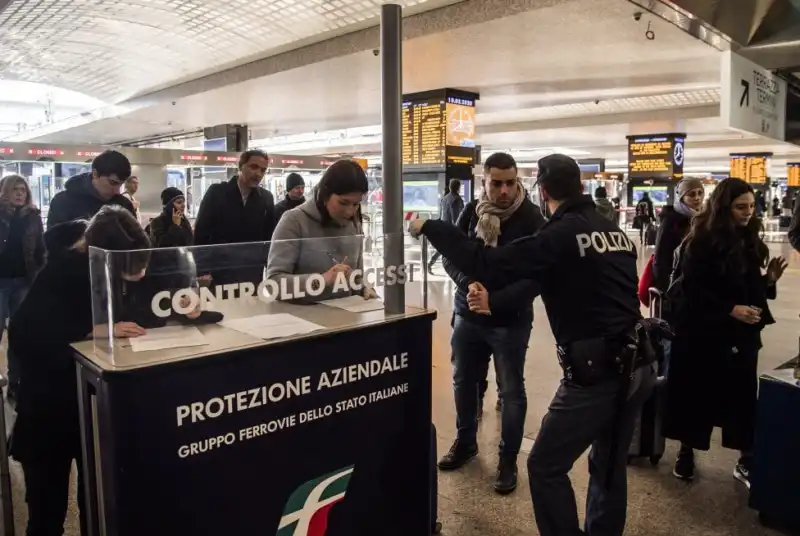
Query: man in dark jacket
[
  {"x": 237, "y": 211},
  {"x": 450, "y": 209},
  {"x": 87, "y": 193},
  {"x": 492, "y": 320},
  {"x": 295, "y": 190}
]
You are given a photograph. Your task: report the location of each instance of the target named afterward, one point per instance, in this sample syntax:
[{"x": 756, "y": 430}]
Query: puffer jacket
[{"x": 32, "y": 240}]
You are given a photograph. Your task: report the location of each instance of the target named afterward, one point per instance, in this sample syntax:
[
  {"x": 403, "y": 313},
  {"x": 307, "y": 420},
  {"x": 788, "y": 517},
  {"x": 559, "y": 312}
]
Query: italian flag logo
[{"x": 306, "y": 511}]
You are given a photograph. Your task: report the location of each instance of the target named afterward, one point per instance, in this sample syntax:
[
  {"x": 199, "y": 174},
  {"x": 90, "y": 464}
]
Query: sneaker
[
  {"x": 458, "y": 456},
  {"x": 684, "y": 465},
  {"x": 741, "y": 472},
  {"x": 506, "y": 480},
  {"x": 499, "y": 405}
]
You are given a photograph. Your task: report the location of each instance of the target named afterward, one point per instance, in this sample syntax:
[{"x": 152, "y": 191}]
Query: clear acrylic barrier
[{"x": 157, "y": 305}]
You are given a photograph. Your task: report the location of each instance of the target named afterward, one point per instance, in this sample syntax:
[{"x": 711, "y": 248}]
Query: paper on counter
[
  {"x": 271, "y": 326},
  {"x": 168, "y": 337},
  {"x": 355, "y": 304}
]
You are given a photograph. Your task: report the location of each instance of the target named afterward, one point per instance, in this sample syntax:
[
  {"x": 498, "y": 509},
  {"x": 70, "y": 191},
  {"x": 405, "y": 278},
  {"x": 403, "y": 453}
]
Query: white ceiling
[
  {"x": 578, "y": 74},
  {"x": 113, "y": 49}
]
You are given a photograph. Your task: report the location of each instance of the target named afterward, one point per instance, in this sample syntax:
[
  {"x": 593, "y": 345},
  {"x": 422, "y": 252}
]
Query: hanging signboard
[{"x": 753, "y": 99}]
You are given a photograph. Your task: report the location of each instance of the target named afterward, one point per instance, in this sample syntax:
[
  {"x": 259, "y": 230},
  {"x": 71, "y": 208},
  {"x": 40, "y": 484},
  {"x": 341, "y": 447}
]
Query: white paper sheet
[
  {"x": 272, "y": 326},
  {"x": 355, "y": 304},
  {"x": 168, "y": 337}
]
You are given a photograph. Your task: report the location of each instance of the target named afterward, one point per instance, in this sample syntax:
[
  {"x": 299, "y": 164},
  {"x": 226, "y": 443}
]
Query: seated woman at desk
[
  {"x": 323, "y": 237},
  {"x": 56, "y": 313}
]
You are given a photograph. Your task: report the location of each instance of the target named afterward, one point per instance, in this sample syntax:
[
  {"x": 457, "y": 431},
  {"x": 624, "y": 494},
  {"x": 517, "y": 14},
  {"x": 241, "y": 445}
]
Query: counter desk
[
  {"x": 775, "y": 482},
  {"x": 323, "y": 433}
]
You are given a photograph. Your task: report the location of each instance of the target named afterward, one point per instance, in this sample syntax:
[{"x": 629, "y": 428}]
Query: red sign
[
  {"x": 193, "y": 157},
  {"x": 327, "y": 162},
  {"x": 234, "y": 159},
  {"x": 88, "y": 154},
  {"x": 292, "y": 162},
  {"x": 46, "y": 152},
  {"x": 6, "y": 150}
]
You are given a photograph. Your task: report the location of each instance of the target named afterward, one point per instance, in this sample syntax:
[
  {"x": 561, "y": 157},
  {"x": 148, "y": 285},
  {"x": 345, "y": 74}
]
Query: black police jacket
[
  {"x": 510, "y": 304},
  {"x": 584, "y": 264}
]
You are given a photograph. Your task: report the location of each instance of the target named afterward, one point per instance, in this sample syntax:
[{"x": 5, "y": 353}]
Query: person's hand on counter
[
  {"x": 370, "y": 293},
  {"x": 478, "y": 299}
]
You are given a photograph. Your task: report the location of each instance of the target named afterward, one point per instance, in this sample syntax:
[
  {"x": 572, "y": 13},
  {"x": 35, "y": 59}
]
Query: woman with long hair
[
  {"x": 725, "y": 278},
  {"x": 56, "y": 313},
  {"x": 21, "y": 255}
]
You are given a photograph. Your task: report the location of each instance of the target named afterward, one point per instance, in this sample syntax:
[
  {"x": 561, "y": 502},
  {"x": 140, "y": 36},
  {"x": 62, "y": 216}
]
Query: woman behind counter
[
  {"x": 56, "y": 313},
  {"x": 719, "y": 317},
  {"x": 330, "y": 228}
]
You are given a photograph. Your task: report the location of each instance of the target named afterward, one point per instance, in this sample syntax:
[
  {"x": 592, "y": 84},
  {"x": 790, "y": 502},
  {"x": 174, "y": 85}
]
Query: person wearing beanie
[
  {"x": 674, "y": 223},
  {"x": 171, "y": 228},
  {"x": 295, "y": 190},
  {"x": 604, "y": 206},
  {"x": 586, "y": 271}
]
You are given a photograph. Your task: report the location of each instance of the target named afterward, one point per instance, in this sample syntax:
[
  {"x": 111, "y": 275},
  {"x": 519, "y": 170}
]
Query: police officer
[{"x": 586, "y": 268}]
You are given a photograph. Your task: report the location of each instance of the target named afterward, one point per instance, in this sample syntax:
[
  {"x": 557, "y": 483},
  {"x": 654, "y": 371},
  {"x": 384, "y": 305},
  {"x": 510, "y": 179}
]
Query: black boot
[
  {"x": 506, "y": 480},
  {"x": 458, "y": 455},
  {"x": 742, "y": 470}
]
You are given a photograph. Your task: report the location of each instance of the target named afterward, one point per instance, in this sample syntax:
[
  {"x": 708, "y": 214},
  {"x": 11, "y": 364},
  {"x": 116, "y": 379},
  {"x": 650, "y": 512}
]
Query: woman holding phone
[
  {"x": 323, "y": 235},
  {"x": 726, "y": 278}
]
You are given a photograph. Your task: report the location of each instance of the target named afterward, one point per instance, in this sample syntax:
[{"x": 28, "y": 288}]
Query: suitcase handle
[{"x": 656, "y": 298}]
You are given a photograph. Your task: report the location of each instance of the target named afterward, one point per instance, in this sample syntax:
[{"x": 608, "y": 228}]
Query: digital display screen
[
  {"x": 193, "y": 157},
  {"x": 421, "y": 196},
  {"x": 460, "y": 136},
  {"x": 793, "y": 174},
  {"x": 659, "y": 156},
  {"x": 6, "y": 150},
  {"x": 45, "y": 152},
  {"x": 658, "y": 194},
  {"x": 423, "y": 133},
  {"x": 750, "y": 168}
]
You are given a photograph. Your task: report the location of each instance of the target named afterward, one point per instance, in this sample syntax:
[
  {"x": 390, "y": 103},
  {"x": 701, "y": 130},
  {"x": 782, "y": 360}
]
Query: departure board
[
  {"x": 793, "y": 174},
  {"x": 659, "y": 156},
  {"x": 423, "y": 133},
  {"x": 750, "y": 168}
]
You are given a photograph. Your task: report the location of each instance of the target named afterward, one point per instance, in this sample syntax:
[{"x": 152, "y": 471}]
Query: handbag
[{"x": 646, "y": 281}]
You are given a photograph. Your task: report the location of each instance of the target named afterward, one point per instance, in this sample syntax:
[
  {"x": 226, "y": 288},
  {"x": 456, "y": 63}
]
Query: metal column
[{"x": 391, "y": 146}]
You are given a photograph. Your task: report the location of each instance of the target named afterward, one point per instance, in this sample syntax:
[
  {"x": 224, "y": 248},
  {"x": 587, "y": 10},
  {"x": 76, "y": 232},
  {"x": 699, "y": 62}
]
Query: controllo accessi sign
[{"x": 658, "y": 156}]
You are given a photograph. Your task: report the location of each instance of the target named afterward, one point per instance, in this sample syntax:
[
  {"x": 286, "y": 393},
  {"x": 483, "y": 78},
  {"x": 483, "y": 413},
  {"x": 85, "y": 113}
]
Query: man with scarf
[
  {"x": 492, "y": 320},
  {"x": 586, "y": 269}
]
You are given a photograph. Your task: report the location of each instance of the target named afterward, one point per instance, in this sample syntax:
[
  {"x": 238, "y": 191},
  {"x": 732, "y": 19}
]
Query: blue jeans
[
  {"x": 12, "y": 292},
  {"x": 473, "y": 345}
]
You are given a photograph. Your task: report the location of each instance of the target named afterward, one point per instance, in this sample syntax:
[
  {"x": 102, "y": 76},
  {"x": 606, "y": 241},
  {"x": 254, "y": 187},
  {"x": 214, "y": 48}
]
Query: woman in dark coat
[
  {"x": 56, "y": 313},
  {"x": 674, "y": 222},
  {"x": 718, "y": 322}
]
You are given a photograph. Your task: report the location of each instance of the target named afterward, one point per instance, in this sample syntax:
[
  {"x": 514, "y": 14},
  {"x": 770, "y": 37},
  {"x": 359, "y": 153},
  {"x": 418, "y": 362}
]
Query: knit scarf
[
  {"x": 490, "y": 216},
  {"x": 683, "y": 208}
]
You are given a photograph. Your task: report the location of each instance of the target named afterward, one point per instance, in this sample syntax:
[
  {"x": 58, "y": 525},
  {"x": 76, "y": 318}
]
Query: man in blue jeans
[{"x": 492, "y": 322}]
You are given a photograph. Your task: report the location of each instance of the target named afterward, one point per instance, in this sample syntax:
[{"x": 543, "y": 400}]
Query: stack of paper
[
  {"x": 355, "y": 304},
  {"x": 168, "y": 337},
  {"x": 272, "y": 326}
]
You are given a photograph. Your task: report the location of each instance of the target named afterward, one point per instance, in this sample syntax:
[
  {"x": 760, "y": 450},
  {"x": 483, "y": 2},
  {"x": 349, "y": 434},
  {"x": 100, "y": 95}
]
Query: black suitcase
[
  {"x": 650, "y": 235},
  {"x": 784, "y": 222},
  {"x": 648, "y": 441}
]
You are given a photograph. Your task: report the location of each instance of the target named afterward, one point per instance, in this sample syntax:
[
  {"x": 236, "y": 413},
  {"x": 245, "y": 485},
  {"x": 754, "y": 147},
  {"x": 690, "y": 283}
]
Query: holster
[{"x": 590, "y": 361}]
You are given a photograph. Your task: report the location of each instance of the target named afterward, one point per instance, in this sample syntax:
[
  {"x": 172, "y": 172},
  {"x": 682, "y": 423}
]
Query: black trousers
[{"x": 47, "y": 494}]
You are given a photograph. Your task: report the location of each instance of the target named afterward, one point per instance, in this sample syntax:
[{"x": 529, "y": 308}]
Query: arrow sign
[{"x": 745, "y": 94}]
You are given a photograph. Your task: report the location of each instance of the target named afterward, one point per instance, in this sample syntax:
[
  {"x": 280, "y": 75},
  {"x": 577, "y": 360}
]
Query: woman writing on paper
[
  {"x": 316, "y": 246},
  {"x": 56, "y": 313}
]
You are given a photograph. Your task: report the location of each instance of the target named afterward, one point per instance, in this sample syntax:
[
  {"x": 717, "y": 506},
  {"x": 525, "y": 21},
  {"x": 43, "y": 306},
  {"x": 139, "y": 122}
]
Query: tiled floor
[{"x": 715, "y": 505}]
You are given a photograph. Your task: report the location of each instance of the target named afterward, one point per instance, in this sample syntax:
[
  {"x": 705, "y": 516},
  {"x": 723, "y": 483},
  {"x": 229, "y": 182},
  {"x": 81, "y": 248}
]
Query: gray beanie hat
[{"x": 685, "y": 185}]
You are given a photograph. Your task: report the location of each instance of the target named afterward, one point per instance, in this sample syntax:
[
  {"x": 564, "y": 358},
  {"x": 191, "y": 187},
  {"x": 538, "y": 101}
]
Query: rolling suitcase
[
  {"x": 648, "y": 441},
  {"x": 650, "y": 235}
]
